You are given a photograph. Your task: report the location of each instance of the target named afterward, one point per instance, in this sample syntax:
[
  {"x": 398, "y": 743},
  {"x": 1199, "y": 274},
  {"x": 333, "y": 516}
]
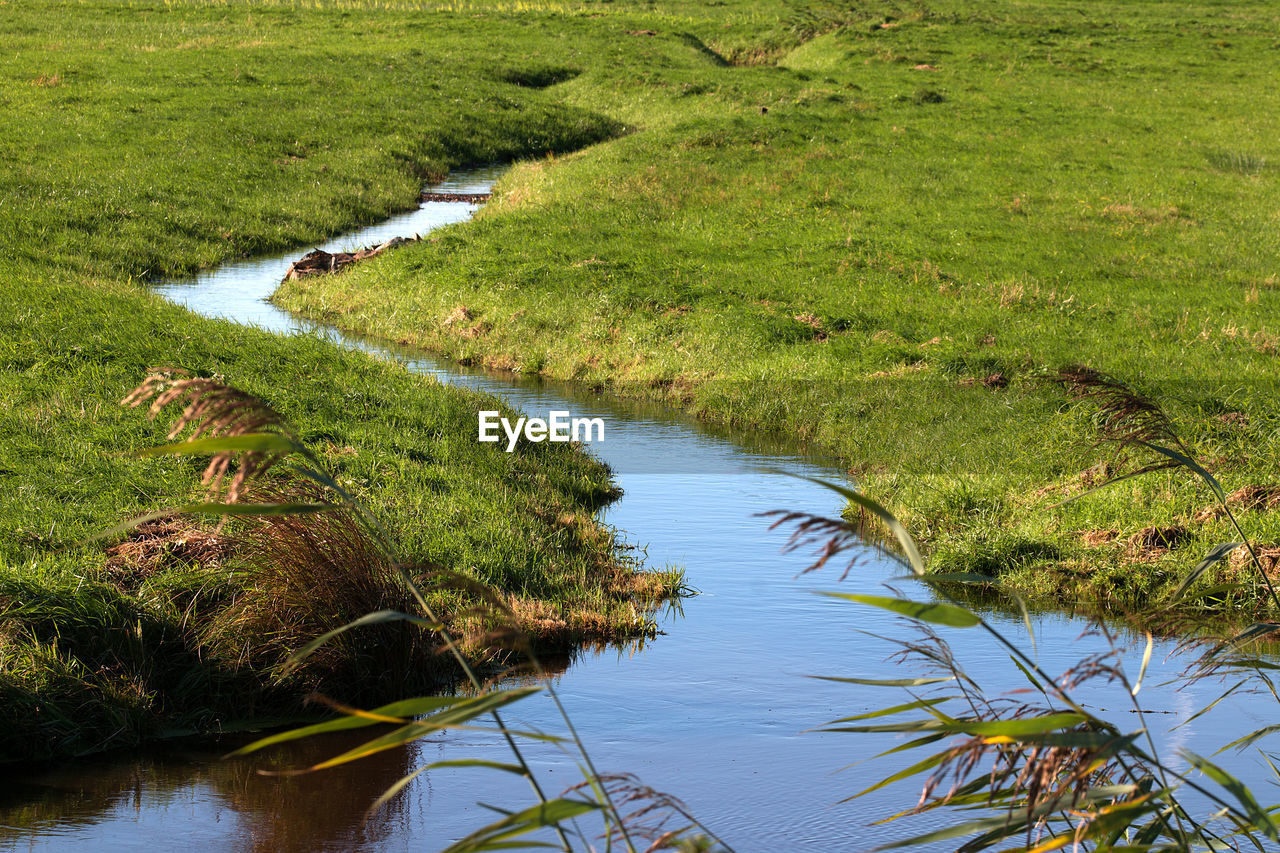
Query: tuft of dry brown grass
[
  {"x": 1267, "y": 558},
  {"x": 1151, "y": 542},
  {"x": 155, "y": 544},
  {"x": 305, "y": 575},
  {"x": 1247, "y": 498},
  {"x": 1133, "y": 213},
  {"x": 1094, "y": 538}
]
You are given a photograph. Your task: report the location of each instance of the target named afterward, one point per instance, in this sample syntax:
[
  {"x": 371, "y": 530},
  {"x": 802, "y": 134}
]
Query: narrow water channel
[{"x": 714, "y": 711}]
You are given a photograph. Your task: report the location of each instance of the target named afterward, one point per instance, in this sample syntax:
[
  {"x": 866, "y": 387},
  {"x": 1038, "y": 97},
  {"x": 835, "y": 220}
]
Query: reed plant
[
  {"x": 321, "y": 556},
  {"x": 1038, "y": 770}
]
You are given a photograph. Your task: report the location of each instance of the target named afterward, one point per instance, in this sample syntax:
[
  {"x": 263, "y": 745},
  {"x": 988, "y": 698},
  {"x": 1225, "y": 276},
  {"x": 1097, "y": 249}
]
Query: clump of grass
[
  {"x": 994, "y": 554},
  {"x": 310, "y": 559},
  {"x": 299, "y": 577},
  {"x": 1239, "y": 162},
  {"x": 85, "y": 665}
]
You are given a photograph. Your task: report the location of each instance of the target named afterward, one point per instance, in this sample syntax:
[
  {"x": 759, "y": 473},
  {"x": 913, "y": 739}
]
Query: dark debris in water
[
  {"x": 465, "y": 198},
  {"x": 319, "y": 261}
]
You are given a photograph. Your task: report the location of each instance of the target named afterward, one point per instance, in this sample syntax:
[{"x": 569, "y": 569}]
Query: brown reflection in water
[
  {"x": 275, "y": 813},
  {"x": 107, "y": 796}
]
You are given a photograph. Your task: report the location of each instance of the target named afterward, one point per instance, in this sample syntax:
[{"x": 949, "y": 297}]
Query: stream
[{"x": 715, "y": 710}]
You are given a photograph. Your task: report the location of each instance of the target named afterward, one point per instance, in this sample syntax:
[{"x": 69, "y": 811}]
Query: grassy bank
[
  {"x": 874, "y": 229},
  {"x": 144, "y": 140},
  {"x": 869, "y": 229}
]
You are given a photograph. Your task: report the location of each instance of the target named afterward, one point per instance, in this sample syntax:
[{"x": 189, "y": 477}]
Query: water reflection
[{"x": 187, "y": 796}]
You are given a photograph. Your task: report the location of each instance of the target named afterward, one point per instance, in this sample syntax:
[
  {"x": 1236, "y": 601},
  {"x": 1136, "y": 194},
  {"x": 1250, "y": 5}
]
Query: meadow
[
  {"x": 145, "y": 142},
  {"x": 881, "y": 230},
  {"x": 875, "y": 229}
]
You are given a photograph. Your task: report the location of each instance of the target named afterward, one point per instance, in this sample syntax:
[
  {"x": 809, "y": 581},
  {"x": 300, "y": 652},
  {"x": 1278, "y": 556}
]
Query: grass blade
[
  {"x": 1207, "y": 708},
  {"x": 1146, "y": 659},
  {"x": 896, "y": 709},
  {"x": 1257, "y": 816},
  {"x": 1191, "y": 465},
  {"x": 887, "y": 682},
  {"x": 919, "y": 767},
  {"x": 937, "y": 613},
  {"x": 396, "y": 712},
  {"x": 459, "y": 713},
  {"x": 1251, "y": 738},
  {"x": 908, "y": 545},
  {"x": 1218, "y": 553},
  {"x": 496, "y": 835},
  {"x": 375, "y": 618}
]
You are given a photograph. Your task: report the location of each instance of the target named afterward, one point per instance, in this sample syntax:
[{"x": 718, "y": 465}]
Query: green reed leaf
[
  {"x": 905, "y": 542},
  {"x": 1217, "y": 554},
  {"x": 402, "y": 710},
  {"x": 496, "y": 835},
  {"x": 896, "y": 709},
  {"x": 375, "y": 618},
  {"x": 1258, "y": 817},
  {"x": 1251, "y": 738},
  {"x": 934, "y": 612},
  {"x": 1190, "y": 464},
  {"x": 452, "y": 717},
  {"x": 254, "y": 442},
  {"x": 915, "y": 769}
]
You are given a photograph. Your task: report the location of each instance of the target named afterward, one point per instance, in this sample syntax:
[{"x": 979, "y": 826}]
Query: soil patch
[{"x": 159, "y": 543}]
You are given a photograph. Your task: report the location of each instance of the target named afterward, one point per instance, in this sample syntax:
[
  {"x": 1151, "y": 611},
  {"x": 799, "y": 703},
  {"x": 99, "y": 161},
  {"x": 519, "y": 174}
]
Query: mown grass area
[
  {"x": 147, "y": 139},
  {"x": 876, "y": 229}
]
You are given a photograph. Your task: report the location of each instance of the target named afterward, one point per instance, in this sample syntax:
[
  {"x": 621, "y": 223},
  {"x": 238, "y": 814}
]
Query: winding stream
[{"x": 713, "y": 711}]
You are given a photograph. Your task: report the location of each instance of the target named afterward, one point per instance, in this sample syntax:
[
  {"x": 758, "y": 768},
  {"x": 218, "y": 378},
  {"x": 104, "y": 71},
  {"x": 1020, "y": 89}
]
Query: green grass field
[
  {"x": 856, "y": 226},
  {"x": 831, "y": 222},
  {"x": 148, "y": 140}
]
